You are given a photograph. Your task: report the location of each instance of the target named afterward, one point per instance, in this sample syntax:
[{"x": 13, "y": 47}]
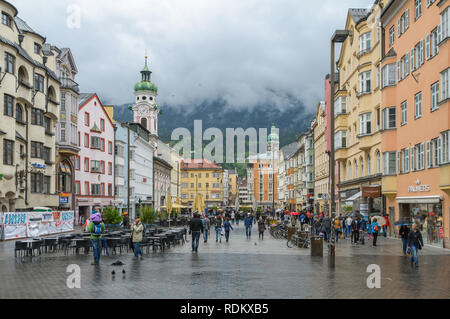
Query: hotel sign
[{"x": 419, "y": 188}]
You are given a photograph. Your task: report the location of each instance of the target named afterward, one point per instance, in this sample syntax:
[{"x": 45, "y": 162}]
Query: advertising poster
[{"x": 14, "y": 225}]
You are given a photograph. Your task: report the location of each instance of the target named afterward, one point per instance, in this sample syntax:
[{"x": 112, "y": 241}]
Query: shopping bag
[{"x": 222, "y": 232}]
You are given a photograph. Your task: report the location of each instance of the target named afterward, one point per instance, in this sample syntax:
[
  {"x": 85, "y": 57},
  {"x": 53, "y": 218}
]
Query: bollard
[{"x": 331, "y": 254}]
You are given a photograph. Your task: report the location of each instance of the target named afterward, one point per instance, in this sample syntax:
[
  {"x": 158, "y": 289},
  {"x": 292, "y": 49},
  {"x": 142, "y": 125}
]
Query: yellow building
[
  {"x": 321, "y": 159},
  {"x": 232, "y": 187},
  {"x": 30, "y": 107},
  {"x": 357, "y": 110},
  {"x": 201, "y": 177}
]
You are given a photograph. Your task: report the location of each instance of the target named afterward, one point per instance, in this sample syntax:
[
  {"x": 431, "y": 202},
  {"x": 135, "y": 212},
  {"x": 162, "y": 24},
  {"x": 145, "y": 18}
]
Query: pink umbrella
[{"x": 294, "y": 213}]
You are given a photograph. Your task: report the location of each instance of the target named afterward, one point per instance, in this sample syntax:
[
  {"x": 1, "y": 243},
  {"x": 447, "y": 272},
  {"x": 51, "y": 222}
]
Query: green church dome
[
  {"x": 145, "y": 86},
  {"x": 273, "y": 136}
]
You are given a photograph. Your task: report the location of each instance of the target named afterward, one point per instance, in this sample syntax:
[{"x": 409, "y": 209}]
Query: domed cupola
[{"x": 146, "y": 84}]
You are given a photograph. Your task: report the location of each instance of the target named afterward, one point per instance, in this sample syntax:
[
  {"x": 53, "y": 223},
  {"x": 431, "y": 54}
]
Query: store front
[{"x": 427, "y": 213}]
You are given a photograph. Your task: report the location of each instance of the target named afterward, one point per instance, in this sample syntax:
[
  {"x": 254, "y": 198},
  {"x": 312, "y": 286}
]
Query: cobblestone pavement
[{"x": 242, "y": 268}]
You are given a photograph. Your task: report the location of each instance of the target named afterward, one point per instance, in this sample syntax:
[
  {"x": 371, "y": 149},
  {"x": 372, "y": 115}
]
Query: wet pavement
[{"x": 257, "y": 269}]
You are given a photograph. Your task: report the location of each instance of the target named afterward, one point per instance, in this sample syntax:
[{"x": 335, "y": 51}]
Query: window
[
  {"x": 74, "y": 135},
  {"x": 46, "y": 154},
  {"x": 378, "y": 162},
  {"x": 413, "y": 65},
  {"x": 86, "y": 164},
  {"x": 389, "y": 118},
  {"x": 404, "y": 112},
  {"x": 378, "y": 76},
  {"x": 77, "y": 163},
  {"x": 428, "y": 46},
  {"x": 361, "y": 164},
  {"x": 340, "y": 140},
  {"x": 364, "y": 43},
  {"x": 399, "y": 162},
  {"x": 445, "y": 152},
  {"x": 37, "y": 117},
  {"x": 420, "y": 156},
  {"x": 340, "y": 105},
  {"x": 109, "y": 168},
  {"x": 9, "y": 105},
  {"x": 428, "y": 154},
  {"x": 86, "y": 140},
  {"x": 9, "y": 63},
  {"x": 19, "y": 113},
  {"x": 36, "y": 183},
  {"x": 389, "y": 162},
  {"x": 404, "y": 66},
  {"x": 413, "y": 159},
  {"x": 434, "y": 96},
  {"x": 8, "y": 152},
  {"x": 102, "y": 125},
  {"x": 86, "y": 118},
  {"x": 36, "y": 149},
  {"x": 405, "y": 153},
  {"x": 97, "y": 143},
  {"x": 355, "y": 165},
  {"x": 39, "y": 83},
  {"x": 445, "y": 87},
  {"x": 77, "y": 188},
  {"x": 365, "y": 124},
  {"x": 37, "y": 48},
  {"x": 96, "y": 167},
  {"x": 63, "y": 103},
  {"x": 47, "y": 124},
  {"x": 419, "y": 52},
  {"x": 109, "y": 147},
  {"x": 391, "y": 35},
  {"x": 434, "y": 42},
  {"x": 364, "y": 82},
  {"x": 96, "y": 190},
  {"x": 388, "y": 75},
  {"x": 444, "y": 26},
  {"x": 418, "y": 105},
  {"x": 109, "y": 189},
  {"x": 418, "y": 5},
  {"x": 6, "y": 20},
  {"x": 46, "y": 186}
]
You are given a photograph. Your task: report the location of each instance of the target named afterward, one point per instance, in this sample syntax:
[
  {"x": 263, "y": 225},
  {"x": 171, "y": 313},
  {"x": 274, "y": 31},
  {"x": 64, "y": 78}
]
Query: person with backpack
[
  {"x": 206, "y": 226},
  {"x": 218, "y": 228},
  {"x": 227, "y": 226},
  {"x": 138, "y": 232},
  {"x": 261, "y": 228},
  {"x": 415, "y": 242},
  {"x": 96, "y": 227},
  {"x": 375, "y": 229}
]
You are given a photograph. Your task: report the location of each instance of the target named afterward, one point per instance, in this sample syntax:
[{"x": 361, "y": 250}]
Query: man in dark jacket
[
  {"x": 327, "y": 227},
  {"x": 415, "y": 242},
  {"x": 404, "y": 233},
  {"x": 248, "y": 221},
  {"x": 356, "y": 226},
  {"x": 227, "y": 226},
  {"x": 195, "y": 227}
]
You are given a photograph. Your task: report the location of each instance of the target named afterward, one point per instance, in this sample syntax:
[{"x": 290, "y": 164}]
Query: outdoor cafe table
[
  {"x": 80, "y": 240},
  {"x": 159, "y": 238}
]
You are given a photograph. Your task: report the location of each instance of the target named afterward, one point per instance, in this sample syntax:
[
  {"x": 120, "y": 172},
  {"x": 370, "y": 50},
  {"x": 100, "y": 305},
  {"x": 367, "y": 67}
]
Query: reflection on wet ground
[{"x": 239, "y": 269}]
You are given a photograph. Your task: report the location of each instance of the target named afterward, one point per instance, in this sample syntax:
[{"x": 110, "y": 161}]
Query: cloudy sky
[{"x": 244, "y": 51}]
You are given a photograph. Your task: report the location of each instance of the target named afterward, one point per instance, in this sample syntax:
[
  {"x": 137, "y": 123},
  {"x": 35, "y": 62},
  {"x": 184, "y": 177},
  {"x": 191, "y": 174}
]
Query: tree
[
  {"x": 148, "y": 215},
  {"x": 112, "y": 216}
]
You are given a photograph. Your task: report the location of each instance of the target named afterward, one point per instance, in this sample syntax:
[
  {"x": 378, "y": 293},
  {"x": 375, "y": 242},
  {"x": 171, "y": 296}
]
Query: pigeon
[
  {"x": 256, "y": 244},
  {"x": 113, "y": 273},
  {"x": 123, "y": 271},
  {"x": 118, "y": 263}
]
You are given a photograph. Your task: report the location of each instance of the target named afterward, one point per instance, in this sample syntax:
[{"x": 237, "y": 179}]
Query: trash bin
[{"x": 316, "y": 246}]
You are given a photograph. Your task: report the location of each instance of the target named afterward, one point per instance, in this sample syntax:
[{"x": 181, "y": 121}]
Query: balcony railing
[{"x": 67, "y": 83}]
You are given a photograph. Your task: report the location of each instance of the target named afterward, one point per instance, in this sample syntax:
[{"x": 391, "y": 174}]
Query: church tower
[
  {"x": 145, "y": 110},
  {"x": 273, "y": 142}
]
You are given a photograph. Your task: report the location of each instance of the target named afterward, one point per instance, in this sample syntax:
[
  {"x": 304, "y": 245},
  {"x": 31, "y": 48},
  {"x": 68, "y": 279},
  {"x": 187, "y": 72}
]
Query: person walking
[
  {"x": 348, "y": 223},
  {"x": 375, "y": 228},
  {"x": 386, "y": 225},
  {"x": 337, "y": 228},
  {"x": 261, "y": 228},
  {"x": 126, "y": 221},
  {"x": 415, "y": 242},
  {"x": 404, "y": 233},
  {"x": 195, "y": 228},
  {"x": 206, "y": 227},
  {"x": 138, "y": 232},
  {"x": 356, "y": 225},
  {"x": 233, "y": 216},
  {"x": 96, "y": 228},
  {"x": 369, "y": 228},
  {"x": 363, "y": 229},
  {"x": 248, "y": 222},
  {"x": 227, "y": 226},
  {"x": 218, "y": 228},
  {"x": 327, "y": 228}
]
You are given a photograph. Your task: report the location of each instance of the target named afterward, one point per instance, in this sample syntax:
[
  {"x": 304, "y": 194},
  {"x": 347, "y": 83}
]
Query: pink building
[{"x": 94, "y": 165}]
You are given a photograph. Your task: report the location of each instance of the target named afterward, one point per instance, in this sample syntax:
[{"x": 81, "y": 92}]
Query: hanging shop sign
[{"x": 371, "y": 191}]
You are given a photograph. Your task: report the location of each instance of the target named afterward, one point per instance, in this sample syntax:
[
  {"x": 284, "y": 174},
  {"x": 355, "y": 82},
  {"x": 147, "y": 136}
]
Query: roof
[
  {"x": 161, "y": 161},
  {"x": 289, "y": 150},
  {"x": 358, "y": 14},
  {"x": 24, "y": 27},
  {"x": 84, "y": 97},
  {"x": 198, "y": 164}
]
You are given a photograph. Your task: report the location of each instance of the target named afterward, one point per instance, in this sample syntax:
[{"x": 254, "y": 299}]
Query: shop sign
[
  {"x": 64, "y": 198},
  {"x": 419, "y": 188},
  {"x": 371, "y": 191},
  {"x": 364, "y": 207}
]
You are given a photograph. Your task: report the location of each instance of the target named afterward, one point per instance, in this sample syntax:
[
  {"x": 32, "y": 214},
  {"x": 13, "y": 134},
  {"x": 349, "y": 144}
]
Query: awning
[
  {"x": 419, "y": 200},
  {"x": 354, "y": 197}
]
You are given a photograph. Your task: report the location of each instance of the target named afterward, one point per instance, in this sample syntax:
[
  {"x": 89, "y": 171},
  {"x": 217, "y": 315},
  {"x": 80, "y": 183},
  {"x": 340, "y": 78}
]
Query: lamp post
[{"x": 339, "y": 36}]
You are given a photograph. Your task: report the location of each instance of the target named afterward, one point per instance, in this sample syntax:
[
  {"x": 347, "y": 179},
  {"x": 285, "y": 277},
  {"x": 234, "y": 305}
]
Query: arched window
[
  {"x": 378, "y": 162},
  {"x": 345, "y": 171},
  {"x": 350, "y": 170},
  {"x": 368, "y": 165},
  {"x": 23, "y": 75},
  {"x": 51, "y": 93},
  {"x": 355, "y": 163},
  {"x": 362, "y": 166},
  {"x": 19, "y": 113},
  {"x": 144, "y": 122}
]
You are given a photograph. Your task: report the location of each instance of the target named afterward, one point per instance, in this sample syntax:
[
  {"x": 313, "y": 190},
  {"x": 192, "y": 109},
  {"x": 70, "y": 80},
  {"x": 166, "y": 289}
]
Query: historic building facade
[
  {"x": 30, "y": 93},
  {"x": 94, "y": 164},
  {"x": 416, "y": 116}
]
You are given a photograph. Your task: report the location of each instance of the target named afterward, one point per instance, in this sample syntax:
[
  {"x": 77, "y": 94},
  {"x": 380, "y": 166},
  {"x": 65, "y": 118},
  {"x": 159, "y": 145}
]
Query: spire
[{"x": 146, "y": 73}]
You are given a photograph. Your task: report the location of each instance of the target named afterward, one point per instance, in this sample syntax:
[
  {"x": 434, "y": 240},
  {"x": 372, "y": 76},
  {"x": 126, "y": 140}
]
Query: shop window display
[{"x": 430, "y": 221}]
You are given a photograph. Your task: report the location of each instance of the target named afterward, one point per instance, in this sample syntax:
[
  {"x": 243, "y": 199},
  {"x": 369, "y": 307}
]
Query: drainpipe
[{"x": 26, "y": 156}]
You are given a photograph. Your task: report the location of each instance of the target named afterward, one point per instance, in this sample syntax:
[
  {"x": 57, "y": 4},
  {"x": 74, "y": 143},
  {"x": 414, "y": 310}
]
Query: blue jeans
[
  {"x": 404, "y": 244},
  {"x": 384, "y": 231},
  {"x": 205, "y": 234},
  {"x": 227, "y": 235},
  {"x": 349, "y": 228},
  {"x": 248, "y": 230},
  {"x": 137, "y": 250},
  {"x": 195, "y": 239},
  {"x": 414, "y": 257},
  {"x": 97, "y": 248},
  {"x": 218, "y": 234},
  {"x": 237, "y": 221}
]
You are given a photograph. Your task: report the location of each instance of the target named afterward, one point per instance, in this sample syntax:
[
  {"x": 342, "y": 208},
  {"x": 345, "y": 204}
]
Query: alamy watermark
[
  {"x": 74, "y": 279},
  {"x": 374, "y": 279},
  {"x": 73, "y": 20}
]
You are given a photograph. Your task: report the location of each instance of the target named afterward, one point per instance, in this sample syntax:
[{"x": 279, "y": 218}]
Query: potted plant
[
  {"x": 149, "y": 216},
  {"x": 112, "y": 217}
]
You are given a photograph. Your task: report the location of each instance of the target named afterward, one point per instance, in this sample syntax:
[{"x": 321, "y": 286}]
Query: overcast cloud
[{"x": 245, "y": 51}]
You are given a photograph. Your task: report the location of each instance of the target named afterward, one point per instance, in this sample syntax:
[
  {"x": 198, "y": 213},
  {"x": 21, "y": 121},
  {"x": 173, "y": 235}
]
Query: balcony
[
  {"x": 340, "y": 121},
  {"x": 70, "y": 84},
  {"x": 340, "y": 154},
  {"x": 367, "y": 141}
]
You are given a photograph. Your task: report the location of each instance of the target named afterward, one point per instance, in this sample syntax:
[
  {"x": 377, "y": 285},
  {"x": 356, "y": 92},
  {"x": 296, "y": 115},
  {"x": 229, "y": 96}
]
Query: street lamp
[{"x": 339, "y": 36}]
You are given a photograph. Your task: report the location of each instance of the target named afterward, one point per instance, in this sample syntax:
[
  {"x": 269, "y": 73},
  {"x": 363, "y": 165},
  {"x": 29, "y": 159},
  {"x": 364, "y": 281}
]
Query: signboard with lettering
[
  {"x": 14, "y": 225},
  {"x": 419, "y": 188},
  {"x": 371, "y": 191},
  {"x": 64, "y": 198}
]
